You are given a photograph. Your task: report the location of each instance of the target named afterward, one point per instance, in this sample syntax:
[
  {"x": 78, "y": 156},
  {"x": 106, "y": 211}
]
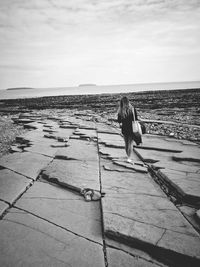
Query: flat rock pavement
[
  {"x": 45, "y": 220},
  {"x": 177, "y": 162}
]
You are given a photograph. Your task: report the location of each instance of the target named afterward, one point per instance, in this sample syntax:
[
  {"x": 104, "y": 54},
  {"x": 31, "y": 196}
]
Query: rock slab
[
  {"x": 27, "y": 240},
  {"x": 12, "y": 185},
  {"x": 25, "y": 163},
  {"x": 63, "y": 208},
  {"x": 73, "y": 174},
  {"x": 136, "y": 211}
]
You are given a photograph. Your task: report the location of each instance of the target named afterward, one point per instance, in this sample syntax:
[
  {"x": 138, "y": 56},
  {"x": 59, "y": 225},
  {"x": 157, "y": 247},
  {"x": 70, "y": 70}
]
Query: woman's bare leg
[{"x": 128, "y": 146}]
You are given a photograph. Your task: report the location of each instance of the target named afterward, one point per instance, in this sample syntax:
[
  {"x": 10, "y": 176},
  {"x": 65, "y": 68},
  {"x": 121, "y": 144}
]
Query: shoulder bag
[{"x": 136, "y": 125}]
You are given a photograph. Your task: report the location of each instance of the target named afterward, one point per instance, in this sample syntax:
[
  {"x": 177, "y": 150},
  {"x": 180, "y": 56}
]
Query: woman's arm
[{"x": 119, "y": 120}]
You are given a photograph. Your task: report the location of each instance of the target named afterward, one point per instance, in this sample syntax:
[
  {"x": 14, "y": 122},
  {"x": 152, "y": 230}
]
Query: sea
[{"x": 87, "y": 89}]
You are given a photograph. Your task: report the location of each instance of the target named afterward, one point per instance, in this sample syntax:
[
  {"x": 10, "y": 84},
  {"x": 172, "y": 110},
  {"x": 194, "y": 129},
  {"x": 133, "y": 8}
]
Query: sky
[{"x": 55, "y": 43}]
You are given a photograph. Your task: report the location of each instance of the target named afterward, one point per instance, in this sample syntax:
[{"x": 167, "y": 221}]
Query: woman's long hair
[{"x": 125, "y": 108}]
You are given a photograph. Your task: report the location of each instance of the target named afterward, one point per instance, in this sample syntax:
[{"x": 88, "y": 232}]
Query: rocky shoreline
[
  {"x": 173, "y": 113},
  {"x": 8, "y": 133},
  {"x": 71, "y": 163}
]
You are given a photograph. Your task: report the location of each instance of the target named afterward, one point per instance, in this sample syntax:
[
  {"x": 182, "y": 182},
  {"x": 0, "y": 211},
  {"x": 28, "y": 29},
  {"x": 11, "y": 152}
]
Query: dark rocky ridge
[
  {"x": 188, "y": 98},
  {"x": 172, "y": 105}
]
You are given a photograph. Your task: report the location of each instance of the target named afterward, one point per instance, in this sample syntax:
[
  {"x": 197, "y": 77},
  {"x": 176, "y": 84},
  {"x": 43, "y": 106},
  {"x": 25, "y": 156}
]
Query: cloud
[
  {"x": 91, "y": 36},
  {"x": 86, "y": 15}
]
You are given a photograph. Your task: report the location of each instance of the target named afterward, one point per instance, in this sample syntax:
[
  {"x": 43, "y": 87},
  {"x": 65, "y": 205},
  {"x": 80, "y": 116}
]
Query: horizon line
[{"x": 96, "y": 85}]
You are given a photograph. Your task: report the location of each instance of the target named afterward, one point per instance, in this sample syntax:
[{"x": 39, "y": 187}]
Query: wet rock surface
[{"x": 148, "y": 211}]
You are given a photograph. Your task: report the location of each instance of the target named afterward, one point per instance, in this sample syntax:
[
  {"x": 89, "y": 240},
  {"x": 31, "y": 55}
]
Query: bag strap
[{"x": 133, "y": 114}]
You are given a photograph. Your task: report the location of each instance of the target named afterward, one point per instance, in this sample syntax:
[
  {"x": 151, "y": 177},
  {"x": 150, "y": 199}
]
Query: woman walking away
[{"x": 125, "y": 118}]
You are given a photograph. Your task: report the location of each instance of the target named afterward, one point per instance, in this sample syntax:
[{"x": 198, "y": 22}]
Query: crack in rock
[
  {"x": 132, "y": 219},
  {"x": 59, "y": 226},
  {"x": 139, "y": 194},
  {"x": 161, "y": 237},
  {"x": 33, "y": 228}
]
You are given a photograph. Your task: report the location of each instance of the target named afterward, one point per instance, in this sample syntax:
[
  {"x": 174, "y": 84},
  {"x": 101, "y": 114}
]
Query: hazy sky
[{"x": 46, "y": 43}]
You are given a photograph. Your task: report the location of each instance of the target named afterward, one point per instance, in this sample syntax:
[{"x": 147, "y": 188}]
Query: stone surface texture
[
  {"x": 12, "y": 185},
  {"x": 148, "y": 217},
  {"x": 27, "y": 240},
  {"x": 136, "y": 210},
  {"x": 63, "y": 208},
  {"x": 118, "y": 258},
  {"x": 180, "y": 169},
  {"x": 79, "y": 150},
  {"x": 25, "y": 163},
  {"x": 73, "y": 173},
  {"x": 3, "y": 207}
]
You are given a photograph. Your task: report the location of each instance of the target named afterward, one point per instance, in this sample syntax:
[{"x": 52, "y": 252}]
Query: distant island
[
  {"x": 20, "y": 88},
  {"x": 87, "y": 84}
]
